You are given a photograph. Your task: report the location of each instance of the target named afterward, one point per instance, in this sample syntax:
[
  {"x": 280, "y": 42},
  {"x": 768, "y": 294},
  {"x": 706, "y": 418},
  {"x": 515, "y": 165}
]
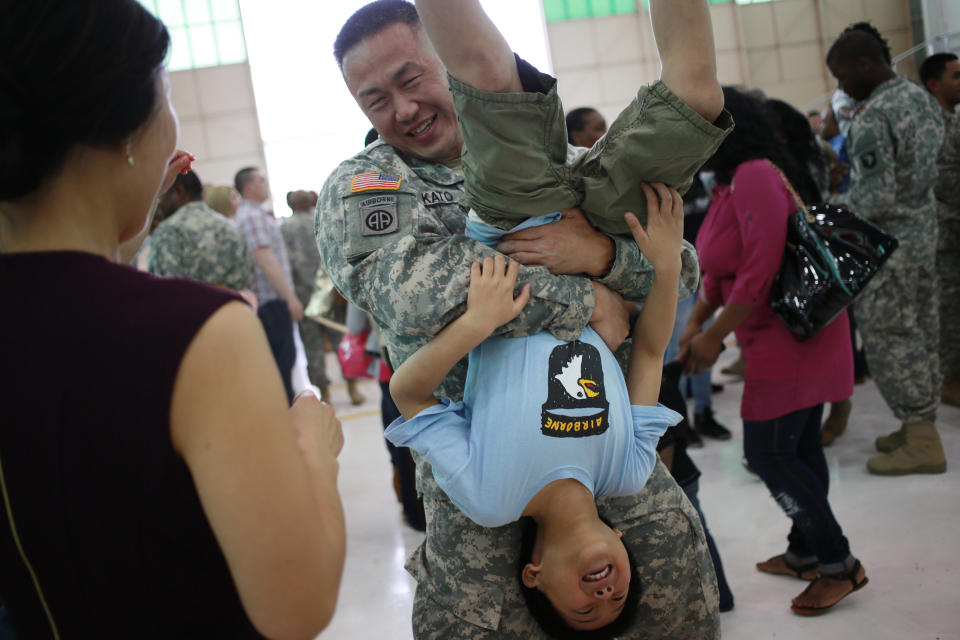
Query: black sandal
[{"x": 850, "y": 575}]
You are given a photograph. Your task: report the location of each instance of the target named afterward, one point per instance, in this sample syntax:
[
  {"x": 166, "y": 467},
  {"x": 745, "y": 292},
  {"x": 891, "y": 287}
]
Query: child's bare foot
[{"x": 829, "y": 589}]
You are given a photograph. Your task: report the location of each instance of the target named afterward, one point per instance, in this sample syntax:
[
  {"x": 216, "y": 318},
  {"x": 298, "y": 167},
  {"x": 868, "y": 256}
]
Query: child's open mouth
[{"x": 597, "y": 576}]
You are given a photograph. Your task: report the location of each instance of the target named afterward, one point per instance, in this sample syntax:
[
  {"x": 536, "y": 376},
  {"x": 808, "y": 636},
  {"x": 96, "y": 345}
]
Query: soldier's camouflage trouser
[{"x": 898, "y": 317}]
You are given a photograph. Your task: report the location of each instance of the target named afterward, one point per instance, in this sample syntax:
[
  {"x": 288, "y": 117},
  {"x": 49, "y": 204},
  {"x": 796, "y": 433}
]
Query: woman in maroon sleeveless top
[{"x": 154, "y": 483}]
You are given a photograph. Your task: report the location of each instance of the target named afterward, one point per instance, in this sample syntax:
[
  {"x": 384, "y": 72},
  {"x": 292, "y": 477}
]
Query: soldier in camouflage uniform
[
  {"x": 196, "y": 242},
  {"x": 940, "y": 74},
  {"x": 390, "y": 233},
  {"x": 893, "y": 145},
  {"x": 298, "y": 234}
]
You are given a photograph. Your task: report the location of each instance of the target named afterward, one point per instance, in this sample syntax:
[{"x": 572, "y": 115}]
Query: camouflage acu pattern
[
  {"x": 414, "y": 281},
  {"x": 947, "y": 192},
  {"x": 893, "y": 173},
  {"x": 198, "y": 243},
  {"x": 298, "y": 235}
]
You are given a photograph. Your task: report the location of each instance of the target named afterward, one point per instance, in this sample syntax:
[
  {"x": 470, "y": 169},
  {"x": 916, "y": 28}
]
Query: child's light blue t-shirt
[{"x": 535, "y": 410}]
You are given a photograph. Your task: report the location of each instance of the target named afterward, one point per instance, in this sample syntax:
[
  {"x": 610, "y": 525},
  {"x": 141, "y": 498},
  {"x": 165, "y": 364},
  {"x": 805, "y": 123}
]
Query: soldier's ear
[{"x": 530, "y": 574}]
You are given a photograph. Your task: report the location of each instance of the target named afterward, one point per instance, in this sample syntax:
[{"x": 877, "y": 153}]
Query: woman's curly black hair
[
  {"x": 793, "y": 130},
  {"x": 754, "y": 137}
]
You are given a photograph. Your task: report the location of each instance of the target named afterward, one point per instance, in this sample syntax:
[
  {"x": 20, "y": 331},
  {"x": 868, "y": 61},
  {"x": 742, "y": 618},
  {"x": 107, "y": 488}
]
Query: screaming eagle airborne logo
[{"x": 575, "y": 383}]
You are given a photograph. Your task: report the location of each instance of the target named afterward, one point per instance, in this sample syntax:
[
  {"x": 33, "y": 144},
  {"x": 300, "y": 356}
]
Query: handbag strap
[{"x": 793, "y": 192}]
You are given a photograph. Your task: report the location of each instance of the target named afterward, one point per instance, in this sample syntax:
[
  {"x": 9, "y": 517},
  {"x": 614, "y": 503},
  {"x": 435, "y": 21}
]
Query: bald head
[{"x": 300, "y": 200}]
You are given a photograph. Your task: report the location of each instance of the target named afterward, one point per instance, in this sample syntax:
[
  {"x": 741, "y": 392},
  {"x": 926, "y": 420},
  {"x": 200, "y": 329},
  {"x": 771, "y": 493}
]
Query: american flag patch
[{"x": 368, "y": 181}]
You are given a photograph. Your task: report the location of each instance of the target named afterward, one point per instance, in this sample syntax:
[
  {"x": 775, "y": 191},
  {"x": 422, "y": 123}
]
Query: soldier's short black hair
[
  {"x": 577, "y": 120},
  {"x": 549, "y": 618},
  {"x": 934, "y": 66},
  {"x": 243, "y": 177},
  {"x": 370, "y": 19},
  {"x": 191, "y": 184},
  {"x": 861, "y": 39}
]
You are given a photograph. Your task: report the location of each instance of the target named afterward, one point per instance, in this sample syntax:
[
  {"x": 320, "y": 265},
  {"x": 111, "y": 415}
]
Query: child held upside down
[{"x": 546, "y": 425}]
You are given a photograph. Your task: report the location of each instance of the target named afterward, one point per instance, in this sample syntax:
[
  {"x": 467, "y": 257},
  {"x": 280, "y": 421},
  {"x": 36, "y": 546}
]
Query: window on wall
[
  {"x": 203, "y": 33},
  {"x": 558, "y": 10}
]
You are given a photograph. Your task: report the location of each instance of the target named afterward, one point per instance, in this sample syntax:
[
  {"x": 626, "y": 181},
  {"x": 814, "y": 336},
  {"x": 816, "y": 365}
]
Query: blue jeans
[
  {"x": 278, "y": 325},
  {"x": 787, "y": 455},
  {"x": 699, "y": 383}
]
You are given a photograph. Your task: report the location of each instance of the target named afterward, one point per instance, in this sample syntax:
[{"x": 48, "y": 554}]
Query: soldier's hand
[
  {"x": 569, "y": 246},
  {"x": 296, "y": 309},
  {"x": 609, "y": 318}
]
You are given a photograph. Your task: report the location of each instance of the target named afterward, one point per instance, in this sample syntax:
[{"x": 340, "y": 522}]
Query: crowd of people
[{"x": 493, "y": 253}]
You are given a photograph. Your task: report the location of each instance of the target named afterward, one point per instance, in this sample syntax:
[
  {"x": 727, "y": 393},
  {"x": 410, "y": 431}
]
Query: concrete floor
[{"x": 904, "y": 530}]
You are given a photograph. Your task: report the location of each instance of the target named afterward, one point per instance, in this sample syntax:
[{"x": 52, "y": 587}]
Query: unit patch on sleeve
[
  {"x": 378, "y": 215},
  {"x": 576, "y": 403},
  {"x": 375, "y": 182}
]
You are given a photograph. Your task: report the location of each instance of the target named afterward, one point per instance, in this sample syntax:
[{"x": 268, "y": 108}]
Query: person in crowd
[
  {"x": 585, "y": 126},
  {"x": 839, "y": 168},
  {"x": 222, "y": 199},
  {"x": 141, "y": 479},
  {"x": 672, "y": 449},
  {"x": 893, "y": 143},
  {"x": 279, "y": 306},
  {"x": 578, "y": 575},
  {"x": 815, "y": 118},
  {"x": 801, "y": 144},
  {"x": 196, "y": 242},
  {"x": 304, "y": 259},
  {"x": 412, "y": 279},
  {"x": 940, "y": 74},
  {"x": 786, "y": 381},
  {"x": 695, "y": 204}
]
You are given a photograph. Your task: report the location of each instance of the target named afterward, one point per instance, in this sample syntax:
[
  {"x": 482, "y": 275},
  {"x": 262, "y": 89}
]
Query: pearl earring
[{"x": 130, "y": 159}]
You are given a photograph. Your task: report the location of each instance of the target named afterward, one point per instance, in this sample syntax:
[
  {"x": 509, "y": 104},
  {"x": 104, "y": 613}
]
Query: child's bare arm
[
  {"x": 490, "y": 304},
  {"x": 688, "y": 57},
  {"x": 469, "y": 45},
  {"x": 660, "y": 243}
]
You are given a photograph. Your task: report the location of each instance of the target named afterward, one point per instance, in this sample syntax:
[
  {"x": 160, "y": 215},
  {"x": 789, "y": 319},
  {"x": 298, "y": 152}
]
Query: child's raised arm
[
  {"x": 660, "y": 243},
  {"x": 490, "y": 304}
]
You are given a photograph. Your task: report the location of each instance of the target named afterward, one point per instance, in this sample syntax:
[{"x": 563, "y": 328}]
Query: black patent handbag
[{"x": 830, "y": 255}]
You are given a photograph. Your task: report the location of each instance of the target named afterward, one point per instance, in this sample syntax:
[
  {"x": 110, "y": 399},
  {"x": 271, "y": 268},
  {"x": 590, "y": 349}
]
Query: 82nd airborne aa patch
[{"x": 378, "y": 215}]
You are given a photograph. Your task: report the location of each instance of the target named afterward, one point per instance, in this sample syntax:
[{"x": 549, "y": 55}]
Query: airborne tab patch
[
  {"x": 378, "y": 216},
  {"x": 378, "y": 181}
]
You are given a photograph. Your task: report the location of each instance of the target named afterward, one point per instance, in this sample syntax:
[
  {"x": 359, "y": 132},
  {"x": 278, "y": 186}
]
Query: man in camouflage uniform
[
  {"x": 196, "y": 242},
  {"x": 940, "y": 74},
  {"x": 298, "y": 234},
  {"x": 390, "y": 234},
  {"x": 893, "y": 144}
]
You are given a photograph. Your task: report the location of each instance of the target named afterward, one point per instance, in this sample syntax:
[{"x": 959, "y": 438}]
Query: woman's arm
[
  {"x": 266, "y": 475},
  {"x": 490, "y": 304}
]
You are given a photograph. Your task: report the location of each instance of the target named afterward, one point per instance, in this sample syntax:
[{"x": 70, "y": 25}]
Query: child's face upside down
[{"x": 585, "y": 577}]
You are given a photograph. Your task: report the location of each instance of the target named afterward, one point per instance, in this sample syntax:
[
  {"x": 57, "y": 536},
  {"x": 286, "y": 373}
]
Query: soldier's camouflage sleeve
[
  {"x": 632, "y": 274},
  {"x": 948, "y": 164},
  {"x": 166, "y": 253},
  {"x": 415, "y": 283},
  {"x": 873, "y": 181},
  {"x": 241, "y": 275}
]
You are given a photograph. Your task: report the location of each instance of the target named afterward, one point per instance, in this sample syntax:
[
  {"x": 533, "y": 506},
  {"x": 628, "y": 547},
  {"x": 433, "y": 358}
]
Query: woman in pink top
[{"x": 786, "y": 381}]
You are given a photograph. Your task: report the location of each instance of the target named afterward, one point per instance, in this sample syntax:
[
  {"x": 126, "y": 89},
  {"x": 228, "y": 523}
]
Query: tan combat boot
[
  {"x": 325, "y": 394},
  {"x": 922, "y": 453},
  {"x": 950, "y": 393},
  {"x": 355, "y": 396},
  {"x": 836, "y": 422},
  {"x": 892, "y": 441}
]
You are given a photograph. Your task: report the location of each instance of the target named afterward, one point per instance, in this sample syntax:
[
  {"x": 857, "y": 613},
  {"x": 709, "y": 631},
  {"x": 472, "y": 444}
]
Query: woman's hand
[
  {"x": 490, "y": 301},
  {"x": 318, "y": 431},
  {"x": 179, "y": 163},
  {"x": 700, "y": 353}
]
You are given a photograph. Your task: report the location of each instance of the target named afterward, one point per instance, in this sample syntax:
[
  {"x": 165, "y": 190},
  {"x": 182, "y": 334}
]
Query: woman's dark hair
[
  {"x": 577, "y": 120},
  {"x": 754, "y": 137},
  {"x": 72, "y": 72},
  {"x": 549, "y": 618},
  {"x": 793, "y": 131}
]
